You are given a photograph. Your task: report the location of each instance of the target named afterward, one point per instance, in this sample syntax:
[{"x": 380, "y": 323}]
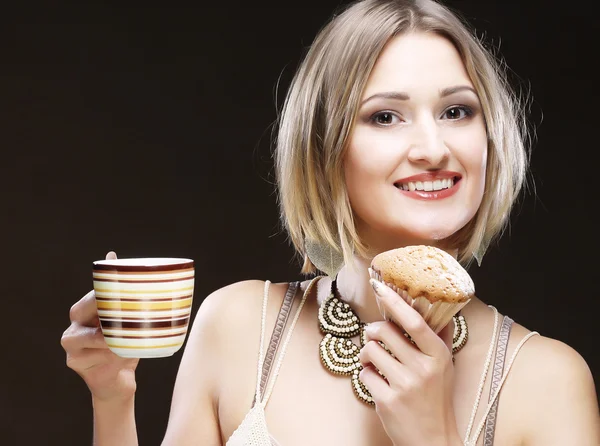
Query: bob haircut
[{"x": 320, "y": 109}]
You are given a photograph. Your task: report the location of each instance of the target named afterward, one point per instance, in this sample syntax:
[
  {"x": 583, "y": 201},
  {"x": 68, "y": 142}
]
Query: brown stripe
[
  {"x": 143, "y": 324},
  {"x": 144, "y": 337},
  {"x": 156, "y": 269},
  {"x": 124, "y": 299},
  {"x": 143, "y": 281}
]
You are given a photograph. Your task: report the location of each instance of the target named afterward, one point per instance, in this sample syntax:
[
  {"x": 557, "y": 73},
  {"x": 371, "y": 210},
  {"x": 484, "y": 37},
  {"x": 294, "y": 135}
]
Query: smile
[
  {"x": 434, "y": 189},
  {"x": 436, "y": 185}
]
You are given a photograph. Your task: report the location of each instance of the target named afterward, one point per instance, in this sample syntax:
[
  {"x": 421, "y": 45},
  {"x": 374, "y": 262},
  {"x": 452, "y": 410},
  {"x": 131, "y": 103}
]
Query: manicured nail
[
  {"x": 377, "y": 287},
  {"x": 371, "y": 331}
]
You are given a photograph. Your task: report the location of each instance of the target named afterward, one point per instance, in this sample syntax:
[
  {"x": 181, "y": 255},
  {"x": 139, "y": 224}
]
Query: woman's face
[{"x": 416, "y": 161}]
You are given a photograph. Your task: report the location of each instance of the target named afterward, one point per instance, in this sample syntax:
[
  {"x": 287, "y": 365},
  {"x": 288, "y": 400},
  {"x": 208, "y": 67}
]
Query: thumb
[
  {"x": 111, "y": 255},
  {"x": 447, "y": 334}
]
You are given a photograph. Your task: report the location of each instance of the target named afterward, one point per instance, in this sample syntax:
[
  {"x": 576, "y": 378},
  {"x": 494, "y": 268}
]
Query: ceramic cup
[{"x": 144, "y": 304}]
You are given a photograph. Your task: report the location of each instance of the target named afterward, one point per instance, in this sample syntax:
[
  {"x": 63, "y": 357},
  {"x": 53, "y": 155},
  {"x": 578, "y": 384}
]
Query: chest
[{"x": 310, "y": 405}]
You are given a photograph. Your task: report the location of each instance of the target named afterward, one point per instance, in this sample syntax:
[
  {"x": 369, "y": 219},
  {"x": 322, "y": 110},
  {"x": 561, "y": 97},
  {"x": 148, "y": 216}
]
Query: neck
[{"x": 354, "y": 288}]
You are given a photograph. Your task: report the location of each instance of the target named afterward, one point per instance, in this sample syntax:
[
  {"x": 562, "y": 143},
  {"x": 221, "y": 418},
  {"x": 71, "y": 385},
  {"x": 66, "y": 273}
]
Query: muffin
[{"x": 428, "y": 278}]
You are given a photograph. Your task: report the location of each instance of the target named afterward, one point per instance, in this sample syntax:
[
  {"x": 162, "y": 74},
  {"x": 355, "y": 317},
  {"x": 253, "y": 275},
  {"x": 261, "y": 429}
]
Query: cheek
[
  {"x": 355, "y": 176},
  {"x": 364, "y": 163},
  {"x": 475, "y": 164},
  {"x": 361, "y": 175},
  {"x": 470, "y": 148},
  {"x": 476, "y": 160}
]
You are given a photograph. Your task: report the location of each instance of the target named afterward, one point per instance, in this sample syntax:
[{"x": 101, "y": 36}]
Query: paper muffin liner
[{"x": 436, "y": 314}]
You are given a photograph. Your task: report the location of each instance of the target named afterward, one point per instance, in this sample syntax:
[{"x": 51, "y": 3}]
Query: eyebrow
[{"x": 401, "y": 96}]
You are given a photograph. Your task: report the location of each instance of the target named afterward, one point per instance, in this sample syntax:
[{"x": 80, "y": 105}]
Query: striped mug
[{"x": 144, "y": 304}]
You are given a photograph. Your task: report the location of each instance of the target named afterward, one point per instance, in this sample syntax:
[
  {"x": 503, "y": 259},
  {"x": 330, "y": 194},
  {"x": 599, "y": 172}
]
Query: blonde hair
[{"x": 320, "y": 109}]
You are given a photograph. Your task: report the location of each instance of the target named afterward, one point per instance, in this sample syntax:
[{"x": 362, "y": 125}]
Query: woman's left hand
[{"x": 414, "y": 400}]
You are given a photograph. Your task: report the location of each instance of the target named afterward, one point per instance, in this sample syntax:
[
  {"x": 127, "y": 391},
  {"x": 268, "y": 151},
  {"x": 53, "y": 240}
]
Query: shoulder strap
[
  {"x": 282, "y": 318},
  {"x": 498, "y": 370},
  {"x": 286, "y": 341},
  {"x": 474, "y": 438}
]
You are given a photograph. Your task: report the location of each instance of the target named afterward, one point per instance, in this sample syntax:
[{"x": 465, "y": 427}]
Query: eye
[
  {"x": 384, "y": 118},
  {"x": 457, "y": 112}
]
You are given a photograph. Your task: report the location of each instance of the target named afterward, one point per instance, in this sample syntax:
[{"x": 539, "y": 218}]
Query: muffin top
[{"x": 425, "y": 271}]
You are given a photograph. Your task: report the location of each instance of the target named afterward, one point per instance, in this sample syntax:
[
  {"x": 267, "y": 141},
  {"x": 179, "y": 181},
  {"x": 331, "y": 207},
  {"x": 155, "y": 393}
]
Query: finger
[
  {"x": 374, "y": 354},
  {"x": 88, "y": 359},
  {"x": 77, "y": 338},
  {"x": 374, "y": 382},
  {"x": 410, "y": 320},
  {"x": 111, "y": 255},
  {"x": 85, "y": 311},
  {"x": 447, "y": 334},
  {"x": 394, "y": 340}
]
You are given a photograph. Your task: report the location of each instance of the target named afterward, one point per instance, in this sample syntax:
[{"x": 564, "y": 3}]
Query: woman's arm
[
  {"x": 114, "y": 422},
  {"x": 561, "y": 396},
  {"x": 194, "y": 410}
]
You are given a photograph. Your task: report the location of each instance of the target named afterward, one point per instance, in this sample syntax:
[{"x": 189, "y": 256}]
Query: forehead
[{"x": 417, "y": 61}]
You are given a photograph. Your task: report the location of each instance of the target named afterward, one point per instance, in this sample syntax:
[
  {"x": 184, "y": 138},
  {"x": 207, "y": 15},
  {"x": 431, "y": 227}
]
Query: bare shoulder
[
  {"x": 237, "y": 308},
  {"x": 220, "y": 355},
  {"x": 227, "y": 330},
  {"x": 232, "y": 301},
  {"x": 554, "y": 356},
  {"x": 556, "y": 392},
  {"x": 546, "y": 360}
]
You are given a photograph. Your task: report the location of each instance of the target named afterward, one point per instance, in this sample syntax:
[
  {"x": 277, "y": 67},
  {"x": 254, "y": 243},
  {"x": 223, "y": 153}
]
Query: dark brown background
[{"x": 146, "y": 130}]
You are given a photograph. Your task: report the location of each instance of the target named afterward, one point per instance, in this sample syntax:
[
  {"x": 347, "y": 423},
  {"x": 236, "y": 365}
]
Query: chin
[
  {"x": 431, "y": 236},
  {"x": 433, "y": 232},
  {"x": 438, "y": 236}
]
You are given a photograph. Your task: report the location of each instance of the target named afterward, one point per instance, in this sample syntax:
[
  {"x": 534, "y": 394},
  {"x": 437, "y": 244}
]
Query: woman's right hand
[{"x": 108, "y": 376}]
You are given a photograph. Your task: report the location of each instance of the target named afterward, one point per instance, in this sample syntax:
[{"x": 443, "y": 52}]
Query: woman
[{"x": 395, "y": 101}]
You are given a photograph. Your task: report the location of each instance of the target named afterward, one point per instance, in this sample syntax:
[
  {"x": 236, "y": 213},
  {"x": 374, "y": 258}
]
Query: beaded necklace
[{"x": 339, "y": 353}]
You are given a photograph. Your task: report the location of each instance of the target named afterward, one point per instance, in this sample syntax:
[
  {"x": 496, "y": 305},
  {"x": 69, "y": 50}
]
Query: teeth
[{"x": 446, "y": 183}]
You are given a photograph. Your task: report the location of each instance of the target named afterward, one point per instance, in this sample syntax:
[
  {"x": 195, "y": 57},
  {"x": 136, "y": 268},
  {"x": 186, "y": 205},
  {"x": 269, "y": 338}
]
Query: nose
[{"x": 427, "y": 147}]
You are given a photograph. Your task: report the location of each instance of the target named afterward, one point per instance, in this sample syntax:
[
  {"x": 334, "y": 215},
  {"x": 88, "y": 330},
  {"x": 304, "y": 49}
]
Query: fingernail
[
  {"x": 377, "y": 287},
  {"x": 370, "y": 331},
  {"x": 372, "y": 327}
]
